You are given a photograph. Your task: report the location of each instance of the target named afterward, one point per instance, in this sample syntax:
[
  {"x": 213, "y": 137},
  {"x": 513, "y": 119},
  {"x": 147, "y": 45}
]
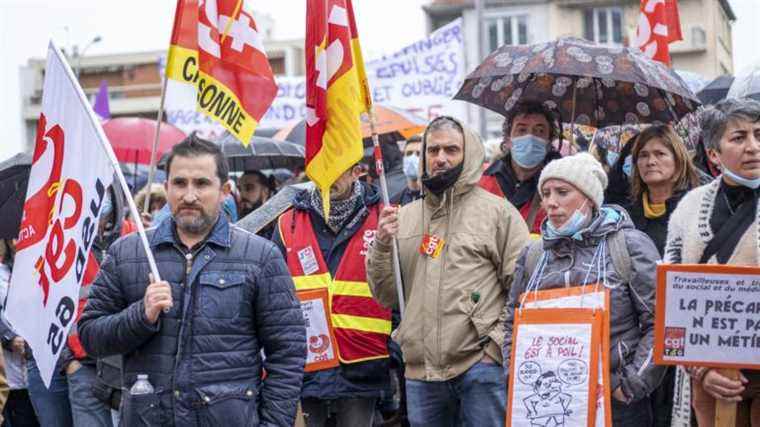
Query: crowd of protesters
[{"x": 222, "y": 339}]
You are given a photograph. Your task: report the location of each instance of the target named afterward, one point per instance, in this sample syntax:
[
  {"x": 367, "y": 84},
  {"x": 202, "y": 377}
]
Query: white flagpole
[
  {"x": 112, "y": 157},
  {"x": 386, "y": 201}
]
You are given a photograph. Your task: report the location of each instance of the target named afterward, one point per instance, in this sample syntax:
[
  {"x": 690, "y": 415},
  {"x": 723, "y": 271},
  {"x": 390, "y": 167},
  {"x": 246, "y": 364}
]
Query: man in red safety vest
[{"x": 328, "y": 254}]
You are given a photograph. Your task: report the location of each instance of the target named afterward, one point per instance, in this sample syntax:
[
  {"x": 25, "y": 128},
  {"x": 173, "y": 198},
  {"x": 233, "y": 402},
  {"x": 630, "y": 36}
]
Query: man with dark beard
[
  {"x": 328, "y": 254},
  {"x": 199, "y": 333},
  {"x": 255, "y": 189},
  {"x": 457, "y": 246}
]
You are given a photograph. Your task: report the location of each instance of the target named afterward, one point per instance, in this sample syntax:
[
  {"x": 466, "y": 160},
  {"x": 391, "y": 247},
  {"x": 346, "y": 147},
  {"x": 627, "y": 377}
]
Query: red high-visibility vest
[
  {"x": 531, "y": 209},
  {"x": 361, "y": 325}
]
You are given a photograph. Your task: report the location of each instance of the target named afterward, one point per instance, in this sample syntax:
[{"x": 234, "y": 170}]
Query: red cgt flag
[
  {"x": 659, "y": 25},
  {"x": 336, "y": 92},
  {"x": 217, "y": 48}
]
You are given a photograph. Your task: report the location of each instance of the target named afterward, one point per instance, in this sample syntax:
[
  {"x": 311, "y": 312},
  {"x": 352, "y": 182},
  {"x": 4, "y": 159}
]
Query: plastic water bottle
[{"x": 141, "y": 386}]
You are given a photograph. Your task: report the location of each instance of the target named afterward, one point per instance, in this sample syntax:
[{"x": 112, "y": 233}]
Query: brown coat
[{"x": 455, "y": 302}]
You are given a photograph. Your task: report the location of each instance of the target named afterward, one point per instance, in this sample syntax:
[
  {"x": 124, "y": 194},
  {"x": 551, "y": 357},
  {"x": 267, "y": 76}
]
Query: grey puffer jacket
[
  {"x": 632, "y": 304},
  {"x": 203, "y": 357}
]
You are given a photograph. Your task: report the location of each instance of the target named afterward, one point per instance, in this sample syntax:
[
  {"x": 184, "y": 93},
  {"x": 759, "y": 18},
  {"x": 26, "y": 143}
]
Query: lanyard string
[{"x": 535, "y": 278}]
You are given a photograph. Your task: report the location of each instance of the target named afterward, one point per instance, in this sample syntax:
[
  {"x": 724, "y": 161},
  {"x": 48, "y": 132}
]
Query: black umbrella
[
  {"x": 14, "y": 177},
  {"x": 261, "y": 153},
  {"x": 716, "y": 90},
  {"x": 588, "y": 83}
]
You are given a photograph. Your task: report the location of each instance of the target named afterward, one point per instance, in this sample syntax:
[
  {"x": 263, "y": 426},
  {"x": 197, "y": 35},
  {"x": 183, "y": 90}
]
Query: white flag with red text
[{"x": 70, "y": 174}]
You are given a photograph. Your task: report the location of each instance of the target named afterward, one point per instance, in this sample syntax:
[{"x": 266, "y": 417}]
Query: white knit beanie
[{"x": 581, "y": 170}]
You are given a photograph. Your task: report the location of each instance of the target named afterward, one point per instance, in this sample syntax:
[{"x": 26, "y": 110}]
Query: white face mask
[
  {"x": 573, "y": 225},
  {"x": 753, "y": 183},
  {"x": 411, "y": 166}
]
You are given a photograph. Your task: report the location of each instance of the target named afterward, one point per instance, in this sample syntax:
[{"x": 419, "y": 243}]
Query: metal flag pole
[
  {"x": 386, "y": 201},
  {"x": 154, "y": 149}
]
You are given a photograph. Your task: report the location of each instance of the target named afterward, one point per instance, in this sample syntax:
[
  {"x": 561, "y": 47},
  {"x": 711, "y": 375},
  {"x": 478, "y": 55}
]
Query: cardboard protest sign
[
  {"x": 588, "y": 296},
  {"x": 708, "y": 315},
  {"x": 320, "y": 339},
  {"x": 554, "y": 367}
]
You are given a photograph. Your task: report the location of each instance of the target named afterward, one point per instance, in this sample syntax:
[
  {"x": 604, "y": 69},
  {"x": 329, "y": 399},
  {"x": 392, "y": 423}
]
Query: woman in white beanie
[{"x": 585, "y": 242}]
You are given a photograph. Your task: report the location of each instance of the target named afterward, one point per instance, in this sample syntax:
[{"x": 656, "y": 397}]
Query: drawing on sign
[
  {"x": 553, "y": 383},
  {"x": 548, "y": 405}
]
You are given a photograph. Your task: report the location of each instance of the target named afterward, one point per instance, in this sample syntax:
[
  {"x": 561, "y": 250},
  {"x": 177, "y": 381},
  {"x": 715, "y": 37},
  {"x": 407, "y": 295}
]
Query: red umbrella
[{"x": 132, "y": 138}]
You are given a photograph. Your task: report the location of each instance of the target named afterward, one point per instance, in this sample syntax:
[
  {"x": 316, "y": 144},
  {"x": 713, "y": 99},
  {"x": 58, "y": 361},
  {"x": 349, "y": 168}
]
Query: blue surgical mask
[
  {"x": 571, "y": 227},
  {"x": 528, "y": 151},
  {"x": 612, "y": 158},
  {"x": 411, "y": 166},
  {"x": 744, "y": 182},
  {"x": 628, "y": 166}
]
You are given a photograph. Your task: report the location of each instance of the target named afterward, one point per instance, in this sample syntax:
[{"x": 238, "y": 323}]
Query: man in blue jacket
[{"x": 225, "y": 295}]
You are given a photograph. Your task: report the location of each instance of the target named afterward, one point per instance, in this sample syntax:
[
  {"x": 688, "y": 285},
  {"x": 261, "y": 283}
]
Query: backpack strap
[{"x": 621, "y": 258}]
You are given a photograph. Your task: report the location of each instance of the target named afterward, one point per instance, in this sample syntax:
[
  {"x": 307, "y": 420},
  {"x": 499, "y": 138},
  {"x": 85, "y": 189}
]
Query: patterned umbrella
[{"x": 589, "y": 84}]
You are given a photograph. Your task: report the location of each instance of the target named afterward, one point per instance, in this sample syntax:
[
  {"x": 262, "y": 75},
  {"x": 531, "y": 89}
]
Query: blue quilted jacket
[{"x": 233, "y": 300}]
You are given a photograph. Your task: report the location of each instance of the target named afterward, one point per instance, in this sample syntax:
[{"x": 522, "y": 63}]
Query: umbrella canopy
[
  {"x": 695, "y": 82},
  {"x": 746, "y": 84},
  {"x": 393, "y": 123},
  {"x": 14, "y": 177},
  {"x": 132, "y": 138},
  {"x": 261, "y": 153},
  {"x": 589, "y": 84},
  {"x": 716, "y": 89}
]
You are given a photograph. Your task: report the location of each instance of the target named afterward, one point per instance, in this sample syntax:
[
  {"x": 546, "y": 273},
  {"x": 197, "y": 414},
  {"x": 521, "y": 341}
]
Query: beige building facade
[{"x": 134, "y": 79}]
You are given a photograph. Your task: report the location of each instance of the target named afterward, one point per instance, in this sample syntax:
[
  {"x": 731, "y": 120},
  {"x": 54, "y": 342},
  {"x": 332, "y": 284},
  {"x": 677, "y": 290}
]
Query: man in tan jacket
[{"x": 458, "y": 246}]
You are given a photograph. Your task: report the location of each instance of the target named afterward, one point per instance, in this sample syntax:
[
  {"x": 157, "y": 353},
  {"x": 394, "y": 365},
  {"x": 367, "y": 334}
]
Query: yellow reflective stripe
[
  {"x": 359, "y": 323},
  {"x": 316, "y": 281},
  {"x": 351, "y": 289}
]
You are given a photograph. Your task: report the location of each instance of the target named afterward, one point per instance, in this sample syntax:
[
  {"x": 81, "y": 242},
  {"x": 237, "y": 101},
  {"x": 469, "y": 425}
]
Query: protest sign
[
  {"x": 320, "y": 339},
  {"x": 424, "y": 76},
  {"x": 588, "y": 296},
  {"x": 707, "y": 315},
  {"x": 554, "y": 367},
  {"x": 60, "y": 218}
]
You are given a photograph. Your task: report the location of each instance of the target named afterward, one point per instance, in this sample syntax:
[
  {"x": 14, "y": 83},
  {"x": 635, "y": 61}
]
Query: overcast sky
[{"x": 138, "y": 25}]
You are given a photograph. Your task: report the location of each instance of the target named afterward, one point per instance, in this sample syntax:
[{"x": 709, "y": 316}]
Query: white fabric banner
[
  {"x": 422, "y": 78},
  {"x": 70, "y": 174}
]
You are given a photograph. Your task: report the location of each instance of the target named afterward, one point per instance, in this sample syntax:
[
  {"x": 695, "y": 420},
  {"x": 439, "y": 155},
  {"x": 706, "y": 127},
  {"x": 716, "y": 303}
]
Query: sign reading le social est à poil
[{"x": 708, "y": 315}]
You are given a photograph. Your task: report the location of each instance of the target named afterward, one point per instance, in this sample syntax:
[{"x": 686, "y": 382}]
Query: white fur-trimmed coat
[{"x": 689, "y": 233}]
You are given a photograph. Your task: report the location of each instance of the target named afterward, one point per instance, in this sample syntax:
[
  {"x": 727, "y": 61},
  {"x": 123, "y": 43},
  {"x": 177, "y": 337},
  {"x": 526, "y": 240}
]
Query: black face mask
[{"x": 442, "y": 182}]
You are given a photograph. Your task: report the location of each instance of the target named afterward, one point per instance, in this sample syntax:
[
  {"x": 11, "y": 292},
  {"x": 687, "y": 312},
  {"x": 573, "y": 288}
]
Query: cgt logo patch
[
  {"x": 432, "y": 246},
  {"x": 675, "y": 342},
  {"x": 367, "y": 239}
]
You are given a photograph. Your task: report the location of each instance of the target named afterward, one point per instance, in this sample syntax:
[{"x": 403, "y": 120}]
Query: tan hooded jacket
[{"x": 455, "y": 302}]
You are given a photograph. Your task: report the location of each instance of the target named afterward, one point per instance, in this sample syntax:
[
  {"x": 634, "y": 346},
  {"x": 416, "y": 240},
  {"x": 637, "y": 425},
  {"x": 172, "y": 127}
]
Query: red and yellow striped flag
[
  {"x": 217, "y": 48},
  {"x": 337, "y": 93}
]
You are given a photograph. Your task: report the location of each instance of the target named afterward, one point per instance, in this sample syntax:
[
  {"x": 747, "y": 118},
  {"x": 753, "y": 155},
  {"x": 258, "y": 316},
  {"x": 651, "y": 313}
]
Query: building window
[
  {"x": 698, "y": 37},
  {"x": 506, "y": 30},
  {"x": 603, "y": 25}
]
